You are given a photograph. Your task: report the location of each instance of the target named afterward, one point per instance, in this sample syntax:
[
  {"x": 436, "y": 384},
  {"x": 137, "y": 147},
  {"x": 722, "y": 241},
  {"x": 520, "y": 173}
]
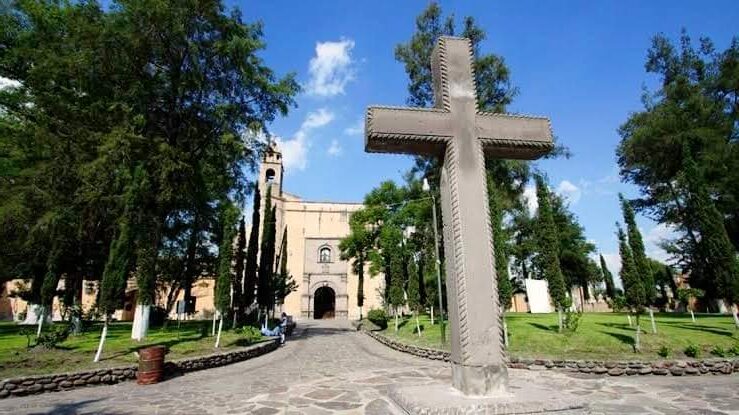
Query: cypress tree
[
  {"x": 252, "y": 250},
  {"x": 414, "y": 291},
  {"x": 265, "y": 293},
  {"x": 505, "y": 290},
  {"x": 239, "y": 304},
  {"x": 225, "y": 257},
  {"x": 396, "y": 284},
  {"x": 607, "y": 278},
  {"x": 636, "y": 243},
  {"x": 633, "y": 286},
  {"x": 283, "y": 282},
  {"x": 717, "y": 257},
  {"x": 549, "y": 249}
]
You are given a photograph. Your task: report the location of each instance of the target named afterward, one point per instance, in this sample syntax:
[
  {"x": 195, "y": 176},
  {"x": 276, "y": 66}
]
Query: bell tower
[{"x": 271, "y": 171}]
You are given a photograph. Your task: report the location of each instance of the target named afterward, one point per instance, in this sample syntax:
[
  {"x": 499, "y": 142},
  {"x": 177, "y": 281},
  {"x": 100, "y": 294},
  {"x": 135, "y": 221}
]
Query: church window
[
  {"x": 324, "y": 254},
  {"x": 270, "y": 176}
]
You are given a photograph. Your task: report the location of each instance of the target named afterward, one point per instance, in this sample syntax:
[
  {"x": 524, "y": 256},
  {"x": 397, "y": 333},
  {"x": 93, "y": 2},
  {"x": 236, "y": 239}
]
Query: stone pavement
[{"x": 328, "y": 368}]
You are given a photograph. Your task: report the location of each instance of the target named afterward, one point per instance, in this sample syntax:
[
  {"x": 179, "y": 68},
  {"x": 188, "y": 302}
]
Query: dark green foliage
[
  {"x": 51, "y": 338},
  {"x": 265, "y": 291},
  {"x": 641, "y": 262},
  {"x": 225, "y": 278},
  {"x": 719, "y": 266},
  {"x": 548, "y": 246},
  {"x": 692, "y": 351},
  {"x": 356, "y": 247},
  {"x": 719, "y": 351},
  {"x": 283, "y": 283},
  {"x": 250, "y": 269},
  {"x": 664, "y": 352},
  {"x": 397, "y": 280},
  {"x": 607, "y": 278},
  {"x": 237, "y": 286},
  {"x": 574, "y": 249},
  {"x": 414, "y": 293},
  {"x": 619, "y": 303},
  {"x": 572, "y": 320},
  {"x": 633, "y": 286},
  {"x": 250, "y": 334},
  {"x": 500, "y": 237},
  {"x": 378, "y": 317}
]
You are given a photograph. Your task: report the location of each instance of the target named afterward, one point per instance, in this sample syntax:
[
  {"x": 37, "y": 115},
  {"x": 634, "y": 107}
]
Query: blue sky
[{"x": 579, "y": 62}]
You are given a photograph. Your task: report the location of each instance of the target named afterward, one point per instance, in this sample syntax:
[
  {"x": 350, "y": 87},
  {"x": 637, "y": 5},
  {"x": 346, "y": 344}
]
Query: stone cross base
[
  {"x": 441, "y": 399},
  {"x": 480, "y": 380}
]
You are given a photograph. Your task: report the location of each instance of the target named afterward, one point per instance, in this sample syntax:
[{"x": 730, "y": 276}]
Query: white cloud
[
  {"x": 355, "y": 129},
  {"x": 529, "y": 196},
  {"x": 569, "y": 191},
  {"x": 295, "y": 151},
  {"x": 331, "y": 68},
  {"x": 334, "y": 149},
  {"x": 8, "y": 83}
]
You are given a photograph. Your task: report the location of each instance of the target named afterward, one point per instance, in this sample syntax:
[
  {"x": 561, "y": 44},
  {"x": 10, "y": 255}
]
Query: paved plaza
[{"x": 329, "y": 368}]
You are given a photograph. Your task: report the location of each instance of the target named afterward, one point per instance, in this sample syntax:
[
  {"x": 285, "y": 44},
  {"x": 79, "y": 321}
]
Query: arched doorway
[{"x": 324, "y": 303}]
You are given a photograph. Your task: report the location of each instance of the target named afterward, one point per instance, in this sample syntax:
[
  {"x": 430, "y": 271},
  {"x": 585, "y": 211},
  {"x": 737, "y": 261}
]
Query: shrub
[
  {"x": 378, "y": 317},
  {"x": 250, "y": 334},
  {"x": 664, "y": 352},
  {"x": 719, "y": 351},
  {"x": 692, "y": 351},
  {"x": 53, "y": 337},
  {"x": 734, "y": 351},
  {"x": 618, "y": 303},
  {"x": 572, "y": 320}
]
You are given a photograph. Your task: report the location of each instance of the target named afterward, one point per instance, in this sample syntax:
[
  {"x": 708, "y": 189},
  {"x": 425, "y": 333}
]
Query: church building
[{"x": 327, "y": 287}]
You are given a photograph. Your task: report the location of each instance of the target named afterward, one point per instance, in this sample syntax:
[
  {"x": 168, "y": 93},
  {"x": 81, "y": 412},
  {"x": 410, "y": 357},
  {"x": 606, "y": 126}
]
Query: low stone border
[
  {"x": 31, "y": 385},
  {"x": 598, "y": 367}
]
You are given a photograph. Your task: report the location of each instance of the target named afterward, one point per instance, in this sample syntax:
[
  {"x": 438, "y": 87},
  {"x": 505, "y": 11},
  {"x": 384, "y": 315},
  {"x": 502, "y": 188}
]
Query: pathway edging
[
  {"x": 36, "y": 384},
  {"x": 610, "y": 368}
]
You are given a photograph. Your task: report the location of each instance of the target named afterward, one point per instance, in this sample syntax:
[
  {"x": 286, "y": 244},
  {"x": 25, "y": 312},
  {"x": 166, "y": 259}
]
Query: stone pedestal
[
  {"x": 441, "y": 399},
  {"x": 490, "y": 380}
]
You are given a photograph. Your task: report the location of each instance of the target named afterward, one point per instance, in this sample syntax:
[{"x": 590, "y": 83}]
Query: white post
[
  {"x": 102, "y": 340},
  {"x": 505, "y": 333},
  {"x": 628, "y": 316},
  {"x": 41, "y": 318},
  {"x": 651, "y": 317},
  {"x": 692, "y": 316},
  {"x": 418, "y": 325},
  {"x": 432, "y": 315},
  {"x": 637, "y": 346},
  {"x": 220, "y": 328},
  {"x": 559, "y": 317}
]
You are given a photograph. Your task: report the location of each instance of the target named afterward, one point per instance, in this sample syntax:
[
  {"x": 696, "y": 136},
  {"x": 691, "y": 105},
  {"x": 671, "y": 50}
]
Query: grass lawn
[
  {"x": 76, "y": 353},
  {"x": 600, "y": 336}
]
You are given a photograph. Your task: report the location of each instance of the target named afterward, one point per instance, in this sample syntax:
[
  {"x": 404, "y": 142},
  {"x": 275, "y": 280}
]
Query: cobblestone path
[{"x": 329, "y": 368}]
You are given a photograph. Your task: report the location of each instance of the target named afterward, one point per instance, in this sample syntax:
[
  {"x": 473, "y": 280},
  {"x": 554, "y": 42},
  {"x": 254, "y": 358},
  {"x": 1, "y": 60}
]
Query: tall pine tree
[
  {"x": 505, "y": 290},
  {"x": 265, "y": 292},
  {"x": 607, "y": 278},
  {"x": 549, "y": 249},
  {"x": 224, "y": 282},
  {"x": 239, "y": 304},
  {"x": 397, "y": 274},
  {"x": 252, "y": 251}
]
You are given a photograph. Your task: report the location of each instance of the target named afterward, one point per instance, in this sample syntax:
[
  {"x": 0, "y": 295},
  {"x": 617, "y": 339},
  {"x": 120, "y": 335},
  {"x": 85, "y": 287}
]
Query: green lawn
[
  {"x": 601, "y": 336},
  {"x": 76, "y": 353}
]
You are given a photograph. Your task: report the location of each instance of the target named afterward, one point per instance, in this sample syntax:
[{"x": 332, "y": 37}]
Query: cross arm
[
  {"x": 417, "y": 131},
  {"x": 514, "y": 136}
]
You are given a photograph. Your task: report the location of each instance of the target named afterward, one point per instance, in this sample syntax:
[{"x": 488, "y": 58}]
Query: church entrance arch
[{"x": 324, "y": 303}]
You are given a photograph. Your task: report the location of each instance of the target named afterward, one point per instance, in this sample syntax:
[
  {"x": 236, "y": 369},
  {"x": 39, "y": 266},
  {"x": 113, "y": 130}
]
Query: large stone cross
[{"x": 462, "y": 136}]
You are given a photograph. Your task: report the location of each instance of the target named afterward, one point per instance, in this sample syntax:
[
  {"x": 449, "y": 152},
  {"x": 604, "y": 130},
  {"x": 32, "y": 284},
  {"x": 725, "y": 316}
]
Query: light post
[{"x": 427, "y": 188}]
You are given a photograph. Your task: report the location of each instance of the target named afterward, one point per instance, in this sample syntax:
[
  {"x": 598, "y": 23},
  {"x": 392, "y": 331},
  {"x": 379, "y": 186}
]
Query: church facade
[{"x": 327, "y": 287}]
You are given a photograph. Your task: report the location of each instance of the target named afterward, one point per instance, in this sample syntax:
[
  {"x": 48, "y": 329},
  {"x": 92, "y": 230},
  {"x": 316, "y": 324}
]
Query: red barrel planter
[{"x": 151, "y": 365}]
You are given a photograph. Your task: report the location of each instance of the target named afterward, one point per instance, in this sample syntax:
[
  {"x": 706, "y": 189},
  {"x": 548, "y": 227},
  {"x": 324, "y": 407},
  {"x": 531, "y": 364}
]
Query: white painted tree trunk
[
  {"x": 418, "y": 324},
  {"x": 140, "y": 322},
  {"x": 735, "y": 312},
  {"x": 651, "y": 318},
  {"x": 213, "y": 328},
  {"x": 396, "y": 319},
  {"x": 505, "y": 333},
  {"x": 637, "y": 345},
  {"x": 103, "y": 335},
  {"x": 628, "y": 316},
  {"x": 41, "y": 318},
  {"x": 692, "y": 316},
  {"x": 559, "y": 317},
  {"x": 432, "y": 315},
  {"x": 220, "y": 328},
  {"x": 32, "y": 314}
]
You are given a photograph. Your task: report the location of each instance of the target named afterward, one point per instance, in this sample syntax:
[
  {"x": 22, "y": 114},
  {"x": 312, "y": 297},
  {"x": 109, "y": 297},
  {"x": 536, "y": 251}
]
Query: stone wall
[
  {"x": 598, "y": 367},
  {"x": 30, "y": 385}
]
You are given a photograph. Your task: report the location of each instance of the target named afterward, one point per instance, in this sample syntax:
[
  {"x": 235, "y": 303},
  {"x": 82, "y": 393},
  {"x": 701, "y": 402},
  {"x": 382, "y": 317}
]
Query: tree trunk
[
  {"x": 396, "y": 319},
  {"x": 432, "y": 315},
  {"x": 637, "y": 345},
  {"x": 692, "y": 316},
  {"x": 418, "y": 325},
  {"x": 213, "y": 328},
  {"x": 220, "y": 328},
  {"x": 505, "y": 333},
  {"x": 628, "y": 316},
  {"x": 559, "y": 317},
  {"x": 103, "y": 335},
  {"x": 41, "y": 318},
  {"x": 734, "y": 312},
  {"x": 360, "y": 313},
  {"x": 140, "y": 322},
  {"x": 651, "y": 318}
]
